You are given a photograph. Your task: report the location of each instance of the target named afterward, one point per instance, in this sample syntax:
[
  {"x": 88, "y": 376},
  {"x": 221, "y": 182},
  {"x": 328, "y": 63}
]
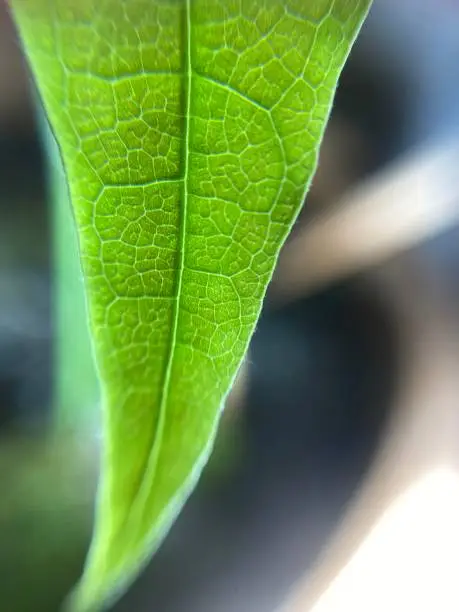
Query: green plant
[{"x": 189, "y": 132}]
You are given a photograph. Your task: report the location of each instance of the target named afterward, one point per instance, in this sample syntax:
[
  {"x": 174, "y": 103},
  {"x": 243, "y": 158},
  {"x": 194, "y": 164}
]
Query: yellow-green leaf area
[{"x": 189, "y": 132}]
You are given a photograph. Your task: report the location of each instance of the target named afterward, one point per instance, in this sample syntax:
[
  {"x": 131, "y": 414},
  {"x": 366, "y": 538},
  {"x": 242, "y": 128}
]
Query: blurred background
[{"x": 324, "y": 368}]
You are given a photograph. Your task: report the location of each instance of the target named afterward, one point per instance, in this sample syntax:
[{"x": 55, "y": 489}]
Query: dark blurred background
[{"x": 321, "y": 371}]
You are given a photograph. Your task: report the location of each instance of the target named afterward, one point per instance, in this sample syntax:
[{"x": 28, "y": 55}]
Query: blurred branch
[
  {"x": 397, "y": 546},
  {"x": 410, "y": 201},
  {"x": 375, "y": 556}
]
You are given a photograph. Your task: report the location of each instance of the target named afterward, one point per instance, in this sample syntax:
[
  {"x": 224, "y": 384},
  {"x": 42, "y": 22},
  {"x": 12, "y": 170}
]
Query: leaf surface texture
[{"x": 189, "y": 132}]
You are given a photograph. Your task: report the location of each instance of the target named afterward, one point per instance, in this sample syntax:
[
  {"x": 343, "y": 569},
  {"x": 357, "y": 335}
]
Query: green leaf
[
  {"x": 74, "y": 403},
  {"x": 189, "y": 131}
]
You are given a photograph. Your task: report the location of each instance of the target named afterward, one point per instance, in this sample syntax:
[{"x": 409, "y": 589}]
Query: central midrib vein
[{"x": 151, "y": 463}]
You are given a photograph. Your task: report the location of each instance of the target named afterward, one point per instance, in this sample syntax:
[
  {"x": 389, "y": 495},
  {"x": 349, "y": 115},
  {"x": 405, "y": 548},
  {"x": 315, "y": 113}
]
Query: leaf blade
[{"x": 189, "y": 132}]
